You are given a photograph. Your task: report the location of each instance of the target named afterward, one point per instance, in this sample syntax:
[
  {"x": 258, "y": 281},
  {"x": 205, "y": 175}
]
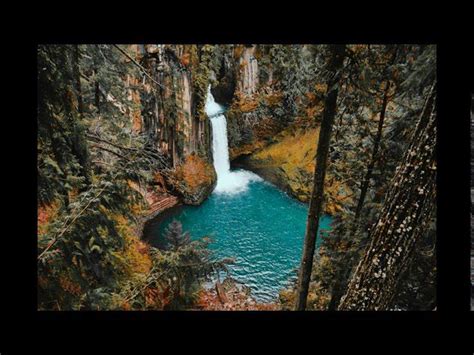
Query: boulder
[{"x": 194, "y": 180}]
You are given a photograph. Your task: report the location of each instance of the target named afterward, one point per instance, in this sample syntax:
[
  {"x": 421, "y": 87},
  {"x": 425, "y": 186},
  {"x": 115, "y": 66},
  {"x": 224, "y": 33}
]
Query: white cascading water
[{"x": 229, "y": 182}]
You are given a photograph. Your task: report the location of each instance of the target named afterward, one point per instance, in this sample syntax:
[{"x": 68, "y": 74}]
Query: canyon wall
[
  {"x": 254, "y": 83},
  {"x": 273, "y": 116},
  {"x": 170, "y": 117}
]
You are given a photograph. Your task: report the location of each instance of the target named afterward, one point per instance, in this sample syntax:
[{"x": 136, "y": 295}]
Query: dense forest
[{"x": 346, "y": 133}]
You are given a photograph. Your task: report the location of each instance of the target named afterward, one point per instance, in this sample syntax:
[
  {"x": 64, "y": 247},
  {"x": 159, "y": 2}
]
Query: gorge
[
  {"x": 247, "y": 218},
  {"x": 168, "y": 174}
]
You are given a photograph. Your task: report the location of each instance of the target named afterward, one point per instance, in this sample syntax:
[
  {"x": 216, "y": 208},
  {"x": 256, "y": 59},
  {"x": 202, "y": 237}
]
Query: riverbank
[
  {"x": 230, "y": 295},
  {"x": 289, "y": 163}
]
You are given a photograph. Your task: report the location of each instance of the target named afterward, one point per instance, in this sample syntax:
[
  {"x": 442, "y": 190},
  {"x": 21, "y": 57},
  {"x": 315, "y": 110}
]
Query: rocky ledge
[
  {"x": 289, "y": 162},
  {"x": 194, "y": 180}
]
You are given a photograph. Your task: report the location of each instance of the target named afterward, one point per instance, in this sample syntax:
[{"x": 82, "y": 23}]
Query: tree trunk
[
  {"x": 315, "y": 205},
  {"x": 77, "y": 79},
  {"x": 375, "y": 150},
  {"x": 97, "y": 93},
  {"x": 338, "y": 287},
  {"x": 340, "y": 282},
  {"x": 404, "y": 218}
]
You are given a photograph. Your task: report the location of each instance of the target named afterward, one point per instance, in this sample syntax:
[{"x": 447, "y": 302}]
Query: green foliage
[
  {"x": 201, "y": 77},
  {"x": 295, "y": 69},
  {"x": 87, "y": 155},
  {"x": 409, "y": 69},
  {"x": 62, "y": 152},
  {"x": 178, "y": 271},
  {"x": 81, "y": 243}
]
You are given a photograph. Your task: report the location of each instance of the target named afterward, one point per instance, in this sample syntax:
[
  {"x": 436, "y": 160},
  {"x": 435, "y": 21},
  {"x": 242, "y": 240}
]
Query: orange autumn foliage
[
  {"x": 238, "y": 50},
  {"x": 45, "y": 215},
  {"x": 248, "y": 105},
  {"x": 273, "y": 99},
  {"x": 160, "y": 182},
  {"x": 209, "y": 301},
  {"x": 321, "y": 88},
  {"x": 69, "y": 286},
  {"x": 194, "y": 172},
  {"x": 185, "y": 59}
]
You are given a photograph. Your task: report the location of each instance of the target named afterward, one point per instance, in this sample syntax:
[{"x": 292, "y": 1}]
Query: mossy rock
[{"x": 194, "y": 180}]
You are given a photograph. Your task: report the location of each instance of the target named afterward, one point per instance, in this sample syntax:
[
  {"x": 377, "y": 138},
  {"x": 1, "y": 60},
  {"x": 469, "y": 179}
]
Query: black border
[{"x": 453, "y": 221}]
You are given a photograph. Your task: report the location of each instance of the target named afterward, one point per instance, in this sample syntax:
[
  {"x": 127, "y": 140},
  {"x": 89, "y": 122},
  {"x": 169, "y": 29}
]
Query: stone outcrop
[
  {"x": 246, "y": 80},
  {"x": 224, "y": 87},
  {"x": 169, "y": 116},
  {"x": 289, "y": 162},
  {"x": 194, "y": 180},
  {"x": 248, "y": 71},
  {"x": 169, "y": 111}
]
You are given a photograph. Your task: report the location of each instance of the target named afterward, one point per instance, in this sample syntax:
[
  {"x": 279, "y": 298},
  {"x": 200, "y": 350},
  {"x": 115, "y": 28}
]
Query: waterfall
[{"x": 228, "y": 181}]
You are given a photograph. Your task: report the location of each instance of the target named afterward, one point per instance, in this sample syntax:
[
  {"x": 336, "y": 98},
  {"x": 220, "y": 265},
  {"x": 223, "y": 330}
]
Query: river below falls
[
  {"x": 262, "y": 228},
  {"x": 247, "y": 218}
]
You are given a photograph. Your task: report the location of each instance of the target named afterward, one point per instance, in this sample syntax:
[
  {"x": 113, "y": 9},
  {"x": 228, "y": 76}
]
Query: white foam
[{"x": 228, "y": 182}]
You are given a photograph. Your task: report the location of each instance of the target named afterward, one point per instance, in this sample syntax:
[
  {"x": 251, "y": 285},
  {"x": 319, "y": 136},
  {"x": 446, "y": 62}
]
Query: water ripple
[{"x": 261, "y": 227}]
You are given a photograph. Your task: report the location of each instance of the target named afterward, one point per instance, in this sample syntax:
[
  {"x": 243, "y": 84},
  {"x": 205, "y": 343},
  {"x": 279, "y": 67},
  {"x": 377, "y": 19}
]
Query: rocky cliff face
[
  {"x": 170, "y": 116},
  {"x": 251, "y": 81},
  {"x": 259, "y": 119},
  {"x": 248, "y": 71},
  {"x": 289, "y": 163}
]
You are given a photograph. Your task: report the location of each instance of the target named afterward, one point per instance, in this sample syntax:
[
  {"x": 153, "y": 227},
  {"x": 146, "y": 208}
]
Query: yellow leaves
[
  {"x": 194, "y": 172},
  {"x": 321, "y": 88},
  {"x": 318, "y": 299},
  {"x": 311, "y": 97},
  {"x": 135, "y": 255},
  {"x": 293, "y": 155},
  {"x": 137, "y": 209},
  {"x": 293, "y": 150},
  {"x": 311, "y": 111},
  {"x": 273, "y": 99},
  {"x": 248, "y": 104}
]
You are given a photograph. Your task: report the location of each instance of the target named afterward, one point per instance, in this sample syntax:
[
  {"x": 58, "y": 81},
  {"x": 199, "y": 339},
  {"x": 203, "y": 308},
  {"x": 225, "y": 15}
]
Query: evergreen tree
[
  {"x": 179, "y": 270},
  {"x": 404, "y": 219},
  {"x": 352, "y": 151},
  {"x": 174, "y": 236},
  {"x": 316, "y": 201}
]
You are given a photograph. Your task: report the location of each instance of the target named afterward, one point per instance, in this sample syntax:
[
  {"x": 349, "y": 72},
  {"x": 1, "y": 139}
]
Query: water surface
[
  {"x": 261, "y": 227},
  {"x": 249, "y": 220}
]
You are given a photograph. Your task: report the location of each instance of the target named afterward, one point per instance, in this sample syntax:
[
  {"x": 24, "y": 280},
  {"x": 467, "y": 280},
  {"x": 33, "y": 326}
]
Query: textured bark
[
  {"x": 339, "y": 283},
  {"x": 316, "y": 201},
  {"x": 404, "y": 218},
  {"x": 341, "y": 280}
]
